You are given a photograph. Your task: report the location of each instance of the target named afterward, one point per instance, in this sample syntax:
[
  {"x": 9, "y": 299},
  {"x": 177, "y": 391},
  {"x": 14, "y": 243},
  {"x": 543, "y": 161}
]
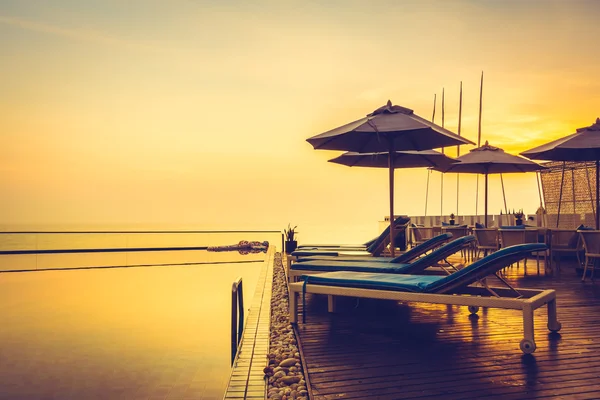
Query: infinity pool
[{"x": 157, "y": 332}]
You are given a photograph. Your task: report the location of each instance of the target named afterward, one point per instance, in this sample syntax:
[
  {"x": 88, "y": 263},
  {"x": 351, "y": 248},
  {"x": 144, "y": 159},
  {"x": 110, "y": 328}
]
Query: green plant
[
  {"x": 290, "y": 233},
  {"x": 519, "y": 214}
]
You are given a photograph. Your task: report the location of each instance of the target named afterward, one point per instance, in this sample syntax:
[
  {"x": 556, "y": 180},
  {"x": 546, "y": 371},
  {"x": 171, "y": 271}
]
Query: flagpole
[
  {"x": 429, "y": 171},
  {"x": 458, "y": 147},
  {"x": 479, "y": 143},
  {"x": 442, "y": 177}
]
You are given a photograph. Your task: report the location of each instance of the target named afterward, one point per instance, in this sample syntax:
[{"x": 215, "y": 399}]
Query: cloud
[{"x": 84, "y": 35}]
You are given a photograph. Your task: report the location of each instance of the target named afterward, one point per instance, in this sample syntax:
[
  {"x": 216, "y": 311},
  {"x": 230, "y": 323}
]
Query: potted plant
[
  {"x": 452, "y": 220},
  {"x": 518, "y": 217},
  {"x": 290, "y": 239}
]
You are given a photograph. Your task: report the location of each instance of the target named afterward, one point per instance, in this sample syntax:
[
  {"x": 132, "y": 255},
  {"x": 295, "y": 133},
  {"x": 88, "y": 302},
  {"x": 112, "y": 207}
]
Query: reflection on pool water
[{"x": 121, "y": 333}]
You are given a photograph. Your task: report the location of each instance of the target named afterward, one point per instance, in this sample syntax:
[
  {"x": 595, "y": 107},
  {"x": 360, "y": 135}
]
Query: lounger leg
[
  {"x": 289, "y": 267},
  {"x": 553, "y": 323},
  {"x": 294, "y": 307},
  {"x": 527, "y": 345},
  {"x": 585, "y": 268},
  {"x": 331, "y": 303}
]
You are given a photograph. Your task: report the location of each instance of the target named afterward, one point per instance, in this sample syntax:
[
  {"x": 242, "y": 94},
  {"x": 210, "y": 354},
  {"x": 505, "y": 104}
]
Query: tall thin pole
[
  {"x": 480, "y": 109},
  {"x": 573, "y": 189},
  {"x": 391, "y": 168},
  {"x": 479, "y": 143},
  {"x": 597, "y": 194},
  {"x": 458, "y": 147},
  {"x": 486, "y": 201},
  {"x": 429, "y": 171},
  {"x": 538, "y": 176},
  {"x": 442, "y": 177},
  {"x": 562, "y": 181},
  {"x": 587, "y": 174},
  {"x": 427, "y": 191},
  {"x": 503, "y": 194}
]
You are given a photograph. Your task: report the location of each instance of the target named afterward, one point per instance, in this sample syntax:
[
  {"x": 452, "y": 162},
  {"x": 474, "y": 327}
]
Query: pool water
[{"x": 121, "y": 333}]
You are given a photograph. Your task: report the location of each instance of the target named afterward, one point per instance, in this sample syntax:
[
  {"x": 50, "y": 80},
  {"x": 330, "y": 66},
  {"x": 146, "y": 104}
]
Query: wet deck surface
[{"x": 385, "y": 350}]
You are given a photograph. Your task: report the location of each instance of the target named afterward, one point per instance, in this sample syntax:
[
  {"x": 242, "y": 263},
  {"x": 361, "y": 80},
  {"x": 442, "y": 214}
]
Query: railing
[
  {"x": 19, "y": 250},
  {"x": 237, "y": 316}
]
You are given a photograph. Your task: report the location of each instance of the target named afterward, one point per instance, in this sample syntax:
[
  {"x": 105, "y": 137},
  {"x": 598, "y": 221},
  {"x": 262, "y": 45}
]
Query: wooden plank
[{"x": 386, "y": 350}]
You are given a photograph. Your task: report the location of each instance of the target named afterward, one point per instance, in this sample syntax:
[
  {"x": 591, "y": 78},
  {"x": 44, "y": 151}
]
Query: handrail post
[{"x": 237, "y": 325}]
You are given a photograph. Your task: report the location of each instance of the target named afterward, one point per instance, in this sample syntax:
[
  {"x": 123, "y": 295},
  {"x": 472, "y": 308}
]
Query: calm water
[{"x": 121, "y": 333}]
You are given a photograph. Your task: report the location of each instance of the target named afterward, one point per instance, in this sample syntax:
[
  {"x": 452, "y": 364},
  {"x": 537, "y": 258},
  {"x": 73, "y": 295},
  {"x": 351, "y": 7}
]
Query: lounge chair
[
  {"x": 420, "y": 265},
  {"x": 405, "y": 257},
  {"x": 399, "y": 225},
  {"x": 376, "y": 248},
  {"x": 454, "y": 289}
]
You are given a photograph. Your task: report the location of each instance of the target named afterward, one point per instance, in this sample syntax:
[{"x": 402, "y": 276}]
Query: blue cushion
[
  {"x": 445, "y": 223},
  {"x": 421, "y": 248},
  {"x": 479, "y": 226},
  {"x": 427, "y": 283},
  {"x": 422, "y": 263},
  {"x": 363, "y": 266},
  {"x": 401, "y": 283},
  {"x": 304, "y": 253},
  {"x": 386, "y": 232},
  {"x": 513, "y": 227},
  {"x": 484, "y": 267}
]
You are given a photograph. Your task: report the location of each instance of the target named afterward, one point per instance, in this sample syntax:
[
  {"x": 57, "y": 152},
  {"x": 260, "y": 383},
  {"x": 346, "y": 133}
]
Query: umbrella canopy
[
  {"x": 388, "y": 129},
  {"x": 490, "y": 160},
  {"x": 583, "y": 145},
  {"x": 400, "y": 159}
]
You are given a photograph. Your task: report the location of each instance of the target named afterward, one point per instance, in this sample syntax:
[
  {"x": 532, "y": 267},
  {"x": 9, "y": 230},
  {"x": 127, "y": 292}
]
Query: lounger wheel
[
  {"x": 527, "y": 346},
  {"x": 555, "y": 328},
  {"x": 473, "y": 309}
]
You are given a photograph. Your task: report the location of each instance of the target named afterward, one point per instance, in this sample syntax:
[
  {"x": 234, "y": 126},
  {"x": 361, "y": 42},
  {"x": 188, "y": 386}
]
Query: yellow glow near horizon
[{"x": 196, "y": 114}]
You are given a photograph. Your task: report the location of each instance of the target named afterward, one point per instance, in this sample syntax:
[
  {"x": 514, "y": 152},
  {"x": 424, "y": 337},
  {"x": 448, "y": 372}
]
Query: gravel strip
[{"x": 285, "y": 372}]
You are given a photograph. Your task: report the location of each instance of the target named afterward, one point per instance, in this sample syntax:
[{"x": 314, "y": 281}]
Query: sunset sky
[{"x": 195, "y": 114}]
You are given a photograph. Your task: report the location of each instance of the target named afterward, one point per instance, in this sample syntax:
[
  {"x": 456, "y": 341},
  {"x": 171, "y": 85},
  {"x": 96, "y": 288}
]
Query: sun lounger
[
  {"x": 398, "y": 223},
  {"x": 454, "y": 289},
  {"x": 376, "y": 248},
  {"x": 405, "y": 257},
  {"x": 420, "y": 265}
]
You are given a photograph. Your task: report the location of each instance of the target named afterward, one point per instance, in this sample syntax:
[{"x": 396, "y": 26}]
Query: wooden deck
[{"x": 384, "y": 350}]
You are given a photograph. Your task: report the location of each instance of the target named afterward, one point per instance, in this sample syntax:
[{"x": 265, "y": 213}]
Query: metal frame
[{"x": 473, "y": 297}]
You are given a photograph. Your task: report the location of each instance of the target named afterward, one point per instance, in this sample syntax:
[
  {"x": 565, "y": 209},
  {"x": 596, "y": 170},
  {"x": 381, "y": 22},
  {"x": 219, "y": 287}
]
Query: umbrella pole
[
  {"x": 503, "y": 194},
  {"x": 587, "y": 175},
  {"x": 427, "y": 191},
  {"x": 573, "y": 188},
  {"x": 391, "y": 167},
  {"x": 486, "y": 201},
  {"x": 562, "y": 181},
  {"x": 597, "y": 194}
]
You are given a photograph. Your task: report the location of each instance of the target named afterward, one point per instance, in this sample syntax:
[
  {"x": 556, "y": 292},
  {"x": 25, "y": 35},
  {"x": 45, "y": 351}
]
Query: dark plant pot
[
  {"x": 452, "y": 222},
  {"x": 519, "y": 222},
  {"x": 290, "y": 246}
]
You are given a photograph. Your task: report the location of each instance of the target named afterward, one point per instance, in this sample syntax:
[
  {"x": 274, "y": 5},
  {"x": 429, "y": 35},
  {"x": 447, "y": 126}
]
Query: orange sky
[{"x": 194, "y": 114}]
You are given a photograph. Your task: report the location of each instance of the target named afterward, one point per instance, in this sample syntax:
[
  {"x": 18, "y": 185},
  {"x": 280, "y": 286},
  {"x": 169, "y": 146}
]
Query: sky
[{"x": 195, "y": 114}]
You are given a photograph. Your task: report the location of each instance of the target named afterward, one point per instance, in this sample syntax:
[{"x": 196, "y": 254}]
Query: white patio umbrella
[
  {"x": 583, "y": 145},
  {"x": 388, "y": 129},
  {"x": 490, "y": 160}
]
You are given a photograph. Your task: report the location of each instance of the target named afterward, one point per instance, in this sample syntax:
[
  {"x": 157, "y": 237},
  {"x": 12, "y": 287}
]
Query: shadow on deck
[{"x": 386, "y": 350}]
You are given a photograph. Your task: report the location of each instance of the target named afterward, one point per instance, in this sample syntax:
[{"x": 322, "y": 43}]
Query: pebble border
[{"x": 286, "y": 380}]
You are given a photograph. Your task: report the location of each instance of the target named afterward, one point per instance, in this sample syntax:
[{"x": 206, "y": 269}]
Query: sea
[{"x": 121, "y": 325}]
